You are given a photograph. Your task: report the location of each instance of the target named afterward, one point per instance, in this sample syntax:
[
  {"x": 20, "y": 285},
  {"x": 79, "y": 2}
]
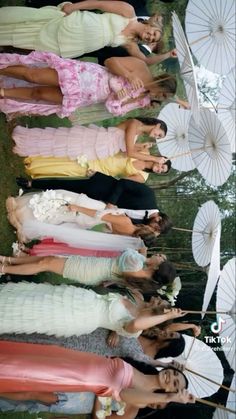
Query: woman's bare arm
[
  {"x": 131, "y": 130},
  {"x": 118, "y": 7},
  {"x": 142, "y": 398},
  {"x": 131, "y": 68},
  {"x": 146, "y": 319}
]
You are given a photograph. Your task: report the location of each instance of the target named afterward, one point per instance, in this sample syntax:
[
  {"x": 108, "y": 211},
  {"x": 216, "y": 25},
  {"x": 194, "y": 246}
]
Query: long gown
[
  {"x": 93, "y": 142},
  {"x": 118, "y": 165},
  {"x": 44, "y": 214},
  {"x": 50, "y": 29},
  {"x": 81, "y": 83},
  {"x": 32, "y": 367},
  {"x": 60, "y": 310}
]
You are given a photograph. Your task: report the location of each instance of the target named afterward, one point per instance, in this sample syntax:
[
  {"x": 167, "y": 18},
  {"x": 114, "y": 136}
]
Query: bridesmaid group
[{"x": 92, "y": 343}]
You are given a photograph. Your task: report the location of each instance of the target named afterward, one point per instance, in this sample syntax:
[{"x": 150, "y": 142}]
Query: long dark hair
[
  {"x": 165, "y": 274},
  {"x": 175, "y": 348},
  {"x": 150, "y": 370},
  {"x": 167, "y": 163},
  {"x": 153, "y": 121}
]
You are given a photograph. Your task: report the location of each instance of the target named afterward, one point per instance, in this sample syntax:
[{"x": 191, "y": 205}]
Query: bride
[{"x": 65, "y": 216}]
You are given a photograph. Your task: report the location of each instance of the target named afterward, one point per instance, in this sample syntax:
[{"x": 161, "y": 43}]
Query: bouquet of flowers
[
  {"x": 47, "y": 205},
  {"x": 171, "y": 291}
]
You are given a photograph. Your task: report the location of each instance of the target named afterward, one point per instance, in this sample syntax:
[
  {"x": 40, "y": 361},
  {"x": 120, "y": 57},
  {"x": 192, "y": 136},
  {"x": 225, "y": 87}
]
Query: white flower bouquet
[{"x": 47, "y": 205}]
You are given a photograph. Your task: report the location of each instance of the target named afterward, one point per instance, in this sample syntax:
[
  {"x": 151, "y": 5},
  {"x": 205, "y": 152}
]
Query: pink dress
[
  {"x": 93, "y": 142},
  {"x": 81, "y": 83},
  {"x": 50, "y": 246},
  {"x": 33, "y": 367}
]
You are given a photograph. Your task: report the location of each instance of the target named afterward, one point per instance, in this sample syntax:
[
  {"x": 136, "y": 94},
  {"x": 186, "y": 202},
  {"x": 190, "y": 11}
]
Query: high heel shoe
[{"x": 23, "y": 182}]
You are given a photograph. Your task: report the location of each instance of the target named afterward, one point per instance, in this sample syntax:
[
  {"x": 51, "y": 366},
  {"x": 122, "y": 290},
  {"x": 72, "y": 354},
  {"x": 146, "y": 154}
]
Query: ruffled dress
[
  {"x": 62, "y": 310},
  {"x": 92, "y": 271},
  {"x": 81, "y": 83},
  {"x": 92, "y": 142}
]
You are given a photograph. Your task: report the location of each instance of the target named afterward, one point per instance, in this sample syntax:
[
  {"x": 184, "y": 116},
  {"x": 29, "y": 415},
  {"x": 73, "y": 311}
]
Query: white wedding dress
[{"x": 46, "y": 214}]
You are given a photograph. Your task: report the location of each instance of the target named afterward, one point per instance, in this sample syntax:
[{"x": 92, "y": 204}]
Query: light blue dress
[{"x": 93, "y": 271}]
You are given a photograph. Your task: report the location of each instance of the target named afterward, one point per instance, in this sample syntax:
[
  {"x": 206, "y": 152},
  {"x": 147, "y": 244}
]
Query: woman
[
  {"x": 66, "y": 310},
  {"x": 93, "y": 271},
  {"x": 70, "y": 31},
  {"x": 32, "y": 214},
  {"x": 94, "y": 142},
  {"x": 67, "y": 370},
  {"x": 62, "y": 85},
  {"x": 117, "y": 166}
]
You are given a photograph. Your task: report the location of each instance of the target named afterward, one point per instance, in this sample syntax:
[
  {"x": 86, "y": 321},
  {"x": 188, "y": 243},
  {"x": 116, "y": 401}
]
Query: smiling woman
[
  {"x": 92, "y": 142},
  {"x": 70, "y": 30},
  {"x": 67, "y": 370}
]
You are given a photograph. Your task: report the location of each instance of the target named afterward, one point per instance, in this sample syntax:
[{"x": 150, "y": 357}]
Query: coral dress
[
  {"x": 81, "y": 83},
  {"x": 93, "y": 142},
  {"x": 118, "y": 165},
  {"x": 32, "y": 367},
  {"x": 62, "y": 310}
]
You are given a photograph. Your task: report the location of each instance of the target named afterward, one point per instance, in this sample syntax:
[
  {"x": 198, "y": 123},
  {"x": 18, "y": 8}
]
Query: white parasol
[
  {"x": 226, "y": 301},
  {"x": 210, "y": 148},
  {"x": 176, "y": 140},
  {"x": 230, "y": 404},
  {"x": 199, "y": 358},
  {"x": 226, "y": 107},
  {"x": 187, "y": 70},
  {"x": 213, "y": 273},
  {"x": 206, "y": 225},
  {"x": 210, "y": 28}
]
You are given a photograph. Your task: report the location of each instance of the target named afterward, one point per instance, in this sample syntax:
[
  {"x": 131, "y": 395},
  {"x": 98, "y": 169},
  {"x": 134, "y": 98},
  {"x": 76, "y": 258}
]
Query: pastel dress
[
  {"x": 61, "y": 310},
  {"x": 92, "y": 142},
  {"x": 45, "y": 214},
  {"x": 32, "y": 367},
  {"x": 118, "y": 165},
  {"x": 50, "y": 29},
  {"x": 92, "y": 271},
  {"x": 82, "y": 84}
]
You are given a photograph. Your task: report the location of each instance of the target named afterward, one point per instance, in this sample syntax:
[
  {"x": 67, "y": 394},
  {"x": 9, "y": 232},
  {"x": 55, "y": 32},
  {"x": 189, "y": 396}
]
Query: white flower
[
  {"x": 46, "y": 205},
  {"x": 82, "y": 160},
  {"x": 20, "y": 192},
  {"x": 15, "y": 248}
]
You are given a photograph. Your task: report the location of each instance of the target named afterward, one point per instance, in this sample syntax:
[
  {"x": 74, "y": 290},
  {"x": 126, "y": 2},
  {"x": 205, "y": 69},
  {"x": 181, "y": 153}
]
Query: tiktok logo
[{"x": 217, "y": 326}]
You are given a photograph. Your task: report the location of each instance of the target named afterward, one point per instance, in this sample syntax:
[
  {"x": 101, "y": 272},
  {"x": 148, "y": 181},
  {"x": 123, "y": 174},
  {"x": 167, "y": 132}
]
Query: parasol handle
[
  {"x": 219, "y": 406},
  {"x": 199, "y": 39},
  {"x": 207, "y": 312},
  {"x": 182, "y": 229},
  {"x": 211, "y": 381},
  {"x": 187, "y": 153}
]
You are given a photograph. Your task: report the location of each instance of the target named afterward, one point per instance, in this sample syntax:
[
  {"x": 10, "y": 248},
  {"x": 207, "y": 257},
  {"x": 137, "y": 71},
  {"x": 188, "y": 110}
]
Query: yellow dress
[
  {"x": 49, "y": 29},
  {"x": 116, "y": 166}
]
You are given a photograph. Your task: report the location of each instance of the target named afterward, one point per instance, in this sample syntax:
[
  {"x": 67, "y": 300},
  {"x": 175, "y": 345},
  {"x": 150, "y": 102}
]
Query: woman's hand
[
  {"x": 72, "y": 208},
  {"x": 196, "y": 330},
  {"x": 68, "y": 8},
  {"x": 183, "y": 396},
  {"x": 113, "y": 339},
  {"x": 90, "y": 173},
  {"x": 161, "y": 160},
  {"x": 174, "y": 313},
  {"x": 110, "y": 206},
  {"x": 176, "y": 365},
  {"x": 173, "y": 53}
]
